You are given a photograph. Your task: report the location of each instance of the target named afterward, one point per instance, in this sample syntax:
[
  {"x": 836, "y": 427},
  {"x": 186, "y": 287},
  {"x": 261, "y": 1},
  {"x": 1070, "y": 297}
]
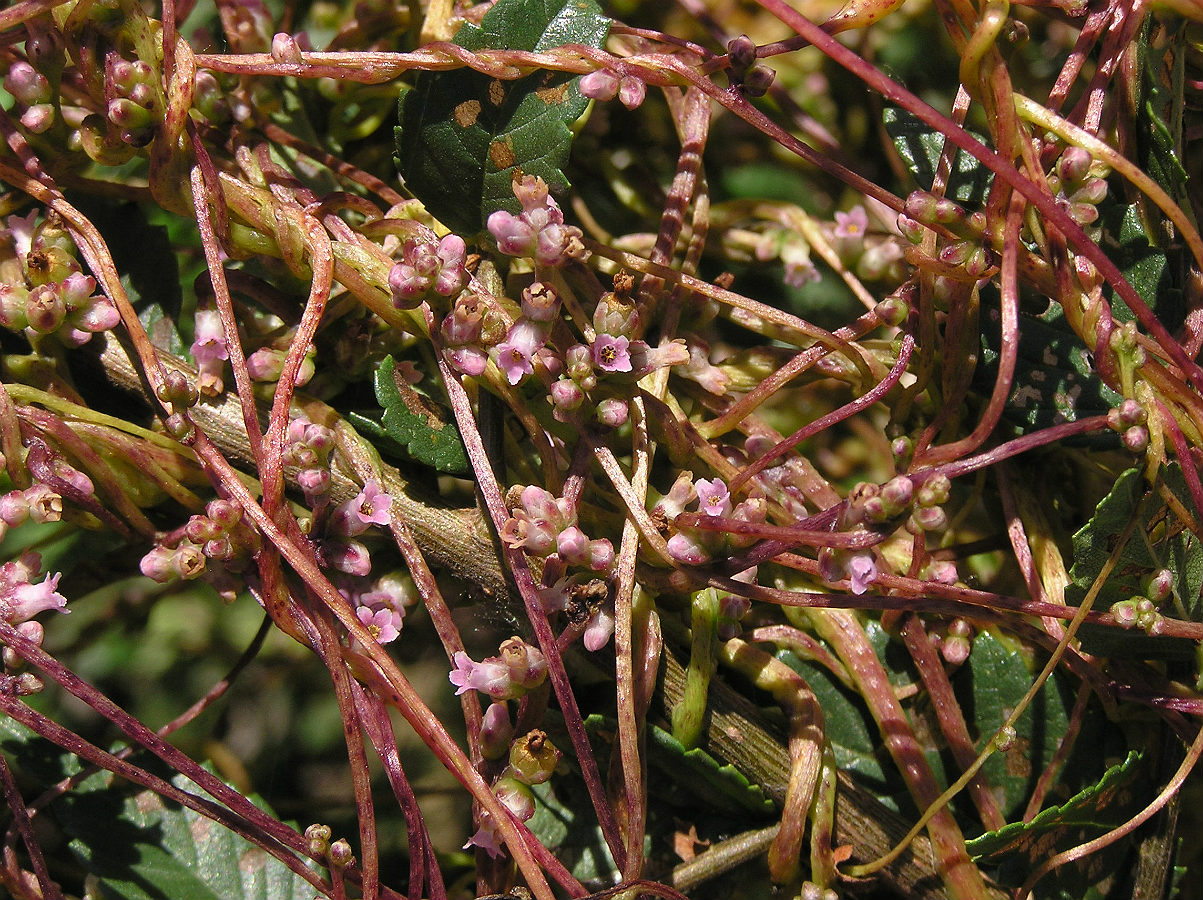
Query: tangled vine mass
[{"x": 539, "y": 449}]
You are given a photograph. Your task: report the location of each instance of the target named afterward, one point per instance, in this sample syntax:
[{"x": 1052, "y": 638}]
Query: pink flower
[
  {"x": 515, "y": 355},
  {"x": 20, "y": 598},
  {"x": 862, "y": 571},
  {"x": 487, "y": 838},
  {"x": 209, "y": 338},
  {"x": 539, "y": 232},
  {"x": 384, "y": 623},
  {"x": 686, "y": 548},
  {"x": 351, "y": 557},
  {"x": 425, "y": 266},
  {"x": 30, "y": 599},
  {"x": 612, "y": 354},
  {"x": 490, "y": 676},
  {"x": 209, "y": 350},
  {"x": 713, "y": 498},
  {"x": 851, "y": 224},
  {"x": 372, "y": 505}
]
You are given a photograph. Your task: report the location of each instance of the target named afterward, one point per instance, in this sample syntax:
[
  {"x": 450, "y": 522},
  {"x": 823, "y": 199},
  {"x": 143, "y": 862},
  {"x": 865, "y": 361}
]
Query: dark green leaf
[
  {"x": 1055, "y": 379},
  {"x": 464, "y": 136},
  {"x": 573, "y": 835},
  {"x": 139, "y": 846},
  {"x": 1021, "y": 846},
  {"x": 1160, "y": 540},
  {"x": 724, "y": 787},
  {"x": 413, "y": 425},
  {"x": 920, "y": 148},
  {"x": 989, "y": 686}
]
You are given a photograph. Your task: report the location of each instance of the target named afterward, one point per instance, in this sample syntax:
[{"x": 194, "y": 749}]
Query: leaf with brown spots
[
  {"x": 463, "y": 136},
  {"x": 412, "y": 424}
]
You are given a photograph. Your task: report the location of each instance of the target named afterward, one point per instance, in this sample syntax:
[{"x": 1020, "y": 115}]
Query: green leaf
[
  {"x": 464, "y": 136},
  {"x": 575, "y": 838},
  {"x": 1021, "y": 846},
  {"x": 1160, "y": 540},
  {"x": 920, "y": 148},
  {"x": 989, "y": 686},
  {"x": 847, "y": 725},
  {"x": 724, "y": 786},
  {"x": 412, "y": 425},
  {"x": 140, "y": 847},
  {"x": 1055, "y": 380}
]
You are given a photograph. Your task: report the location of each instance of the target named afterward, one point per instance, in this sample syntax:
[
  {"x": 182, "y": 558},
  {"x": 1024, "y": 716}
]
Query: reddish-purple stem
[
  {"x": 1036, "y": 194},
  {"x": 848, "y": 409},
  {"x": 951, "y": 718},
  {"x": 24, "y": 826},
  {"x": 516, "y": 561}
]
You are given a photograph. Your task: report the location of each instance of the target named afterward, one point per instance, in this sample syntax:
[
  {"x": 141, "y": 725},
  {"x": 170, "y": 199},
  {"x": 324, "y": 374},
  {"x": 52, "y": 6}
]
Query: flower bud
[
  {"x": 340, "y": 854},
  {"x": 601, "y": 555},
  {"x": 757, "y": 80},
  {"x": 612, "y": 412},
  {"x": 742, "y": 52},
  {"x": 1006, "y": 738},
  {"x": 45, "y": 505},
  {"x": 1074, "y": 164},
  {"x": 44, "y": 309},
  {"x": 934, "y": 491},
  {"x": 1136, "y": 439},
  {"x": 1124, "y": 612},
  {"x": 188, "y": 561},
  {"x": 157, "y": 565},
  {"x": 496, "y": 731},
  {"x": 318, "y": 837},
  {"x": 14, "y": 508},
  {"x": 515, "y": 796},
  {"x": 526, "y": 664},
  {"x": 930, "y": 518},
  {"x": 1158, "y": 585}
]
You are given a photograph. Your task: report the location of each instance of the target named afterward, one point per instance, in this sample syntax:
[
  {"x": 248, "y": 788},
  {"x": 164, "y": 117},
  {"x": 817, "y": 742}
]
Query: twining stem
[
  {"x": 939, "y": 805},
  {"x": 843, "y": 631},
  {"x": 689, "y": 715}
]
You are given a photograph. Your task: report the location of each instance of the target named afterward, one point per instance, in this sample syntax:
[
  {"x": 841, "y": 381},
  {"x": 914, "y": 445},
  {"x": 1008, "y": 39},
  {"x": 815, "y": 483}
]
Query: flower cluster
[
  {"x": 381, "y": 608},
  {"x": 31, "y": 89},
  {"x": 1130, "y": 421},
  {"x": 38, "y": 503},
  {"x": 338, "y": 549},
  {"x": 695, "y": 546},
  {"x": 308, "y": 449},
  {"x": 462, "y": 331},
  {"x": 21, "y": 598},
  {"x": 136, "y": 104},
  {"x": 532, "y": 760},
  {"x": 604, "y": 84},
  {"x": 543, "y": 525},
  {"x": 42, "y": 290},
  {"x": 267, "y": 363},
  {"x": 750, "y": 77},
  {"x": 546, "y": 526},
  {"x": 519, "y": 668},
  {"x": 539, "y": 231},
  {"x": 426, "y": 267},
  {"x": 217, "y": 546},
  {"x": 1141, "y": 610}
]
